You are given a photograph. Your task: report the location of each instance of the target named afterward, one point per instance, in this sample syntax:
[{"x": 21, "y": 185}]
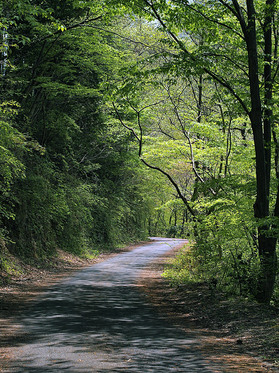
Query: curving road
[{"x": 98, "y": 321}]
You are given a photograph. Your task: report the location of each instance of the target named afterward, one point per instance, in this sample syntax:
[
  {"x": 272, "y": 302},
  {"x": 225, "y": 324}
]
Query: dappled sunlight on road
[{"x": 98, "y": 321}]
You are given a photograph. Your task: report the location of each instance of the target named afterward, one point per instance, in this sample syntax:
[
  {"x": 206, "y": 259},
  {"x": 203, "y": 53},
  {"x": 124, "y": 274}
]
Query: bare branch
[
  {"x": 187, "y": 136},
  {"x": 162, "y": 23},
  {"x": 139, "y": 139},
  {"x": 184, "y": 199},
  {"x": 225, "y": 84},
  {"x": 234, "y": 62},
  {"x": 125, "y": 125},
  {"x": 237, "y": 12},
  {"x": 181, "y": 45},
  {"x": 122, "y": 36},
  {"x": 215, "y": 20},
  {"x": 71, "y": 27},
  {"x": 228, "y": 6},
  {"x": 164, "y": 132}
]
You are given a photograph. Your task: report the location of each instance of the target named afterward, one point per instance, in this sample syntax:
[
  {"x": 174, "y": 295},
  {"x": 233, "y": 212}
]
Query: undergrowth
[{"x": 189, "y": 266}]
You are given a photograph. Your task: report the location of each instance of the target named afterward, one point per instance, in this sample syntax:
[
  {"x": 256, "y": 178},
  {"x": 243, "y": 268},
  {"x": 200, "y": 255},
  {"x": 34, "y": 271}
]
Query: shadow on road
[{"x": 98, "y": 321}]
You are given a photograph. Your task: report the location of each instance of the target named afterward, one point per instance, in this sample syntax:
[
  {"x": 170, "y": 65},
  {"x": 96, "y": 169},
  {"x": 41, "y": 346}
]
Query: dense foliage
[
  {"x": 121, "y": 118},
  {"x": 211, "y": 83},
  {"x": 67, "y": 177}
]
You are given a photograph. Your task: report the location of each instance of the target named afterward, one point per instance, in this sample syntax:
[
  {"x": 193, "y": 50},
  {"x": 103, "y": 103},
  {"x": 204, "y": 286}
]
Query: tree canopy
[{"x": 229, "y": 49}]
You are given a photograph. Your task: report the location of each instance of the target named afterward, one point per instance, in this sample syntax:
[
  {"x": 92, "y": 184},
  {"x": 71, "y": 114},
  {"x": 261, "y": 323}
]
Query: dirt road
[{"x": 99, "y": 321}]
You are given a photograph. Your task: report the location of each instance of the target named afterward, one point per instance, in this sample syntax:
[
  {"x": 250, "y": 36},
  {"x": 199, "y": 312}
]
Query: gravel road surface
[{"x": 99, "y": 321}]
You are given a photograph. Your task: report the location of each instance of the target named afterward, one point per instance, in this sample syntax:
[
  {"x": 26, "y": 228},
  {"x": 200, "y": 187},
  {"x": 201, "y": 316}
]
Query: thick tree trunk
[
  {"x": 268, "y": 85},
  {"x": 268, "y": 268},
  {"x": 261, "y": 206},
  {"x": 261, "y": 126}
]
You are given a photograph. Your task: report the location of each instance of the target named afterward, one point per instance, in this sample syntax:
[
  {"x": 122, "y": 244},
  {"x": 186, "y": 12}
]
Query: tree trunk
[
  {"x": 268, "y": 85},
  {"x": 261, "y": 206},
  {"x": 261, "y": 126},
  {"x": 268, "y": 268}
]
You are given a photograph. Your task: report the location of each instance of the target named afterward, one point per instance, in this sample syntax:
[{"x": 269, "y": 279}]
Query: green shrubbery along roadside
[{"x": 68, "y": 179}]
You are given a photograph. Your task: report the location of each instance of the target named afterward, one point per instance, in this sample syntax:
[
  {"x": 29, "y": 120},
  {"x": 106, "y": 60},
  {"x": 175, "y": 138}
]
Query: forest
[{"x": 123, "y": 119}]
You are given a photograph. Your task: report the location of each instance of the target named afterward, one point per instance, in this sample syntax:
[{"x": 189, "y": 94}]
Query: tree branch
[
  {"x": 237, "y": 12},
  {"x": 215, "y": 21},
  {"x": 139, "y": 139},
  {"x": 184, "y": 199},
  {"x": 70, "y": 27},
  {"x": 226, "y": 85},
  {"x": 220, "y": 80},
  {"x": 124, "y": 125}
]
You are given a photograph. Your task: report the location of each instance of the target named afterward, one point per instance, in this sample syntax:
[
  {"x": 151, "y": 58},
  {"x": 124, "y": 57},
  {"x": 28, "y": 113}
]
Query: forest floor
[
  {"x": 235, "y": 332},
  {"x": 230, "y": 330}
]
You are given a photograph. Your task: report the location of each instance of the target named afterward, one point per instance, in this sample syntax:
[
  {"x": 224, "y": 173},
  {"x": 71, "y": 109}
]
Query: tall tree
[{"x": 235, "y": 45}]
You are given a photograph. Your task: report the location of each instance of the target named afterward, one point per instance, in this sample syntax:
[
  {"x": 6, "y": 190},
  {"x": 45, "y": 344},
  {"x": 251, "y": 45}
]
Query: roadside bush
[{"x": 222, "y": 250}]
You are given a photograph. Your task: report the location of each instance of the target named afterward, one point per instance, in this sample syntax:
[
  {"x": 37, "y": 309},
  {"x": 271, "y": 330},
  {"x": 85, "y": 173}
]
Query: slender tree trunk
[{"x": 199, "y": 104}]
